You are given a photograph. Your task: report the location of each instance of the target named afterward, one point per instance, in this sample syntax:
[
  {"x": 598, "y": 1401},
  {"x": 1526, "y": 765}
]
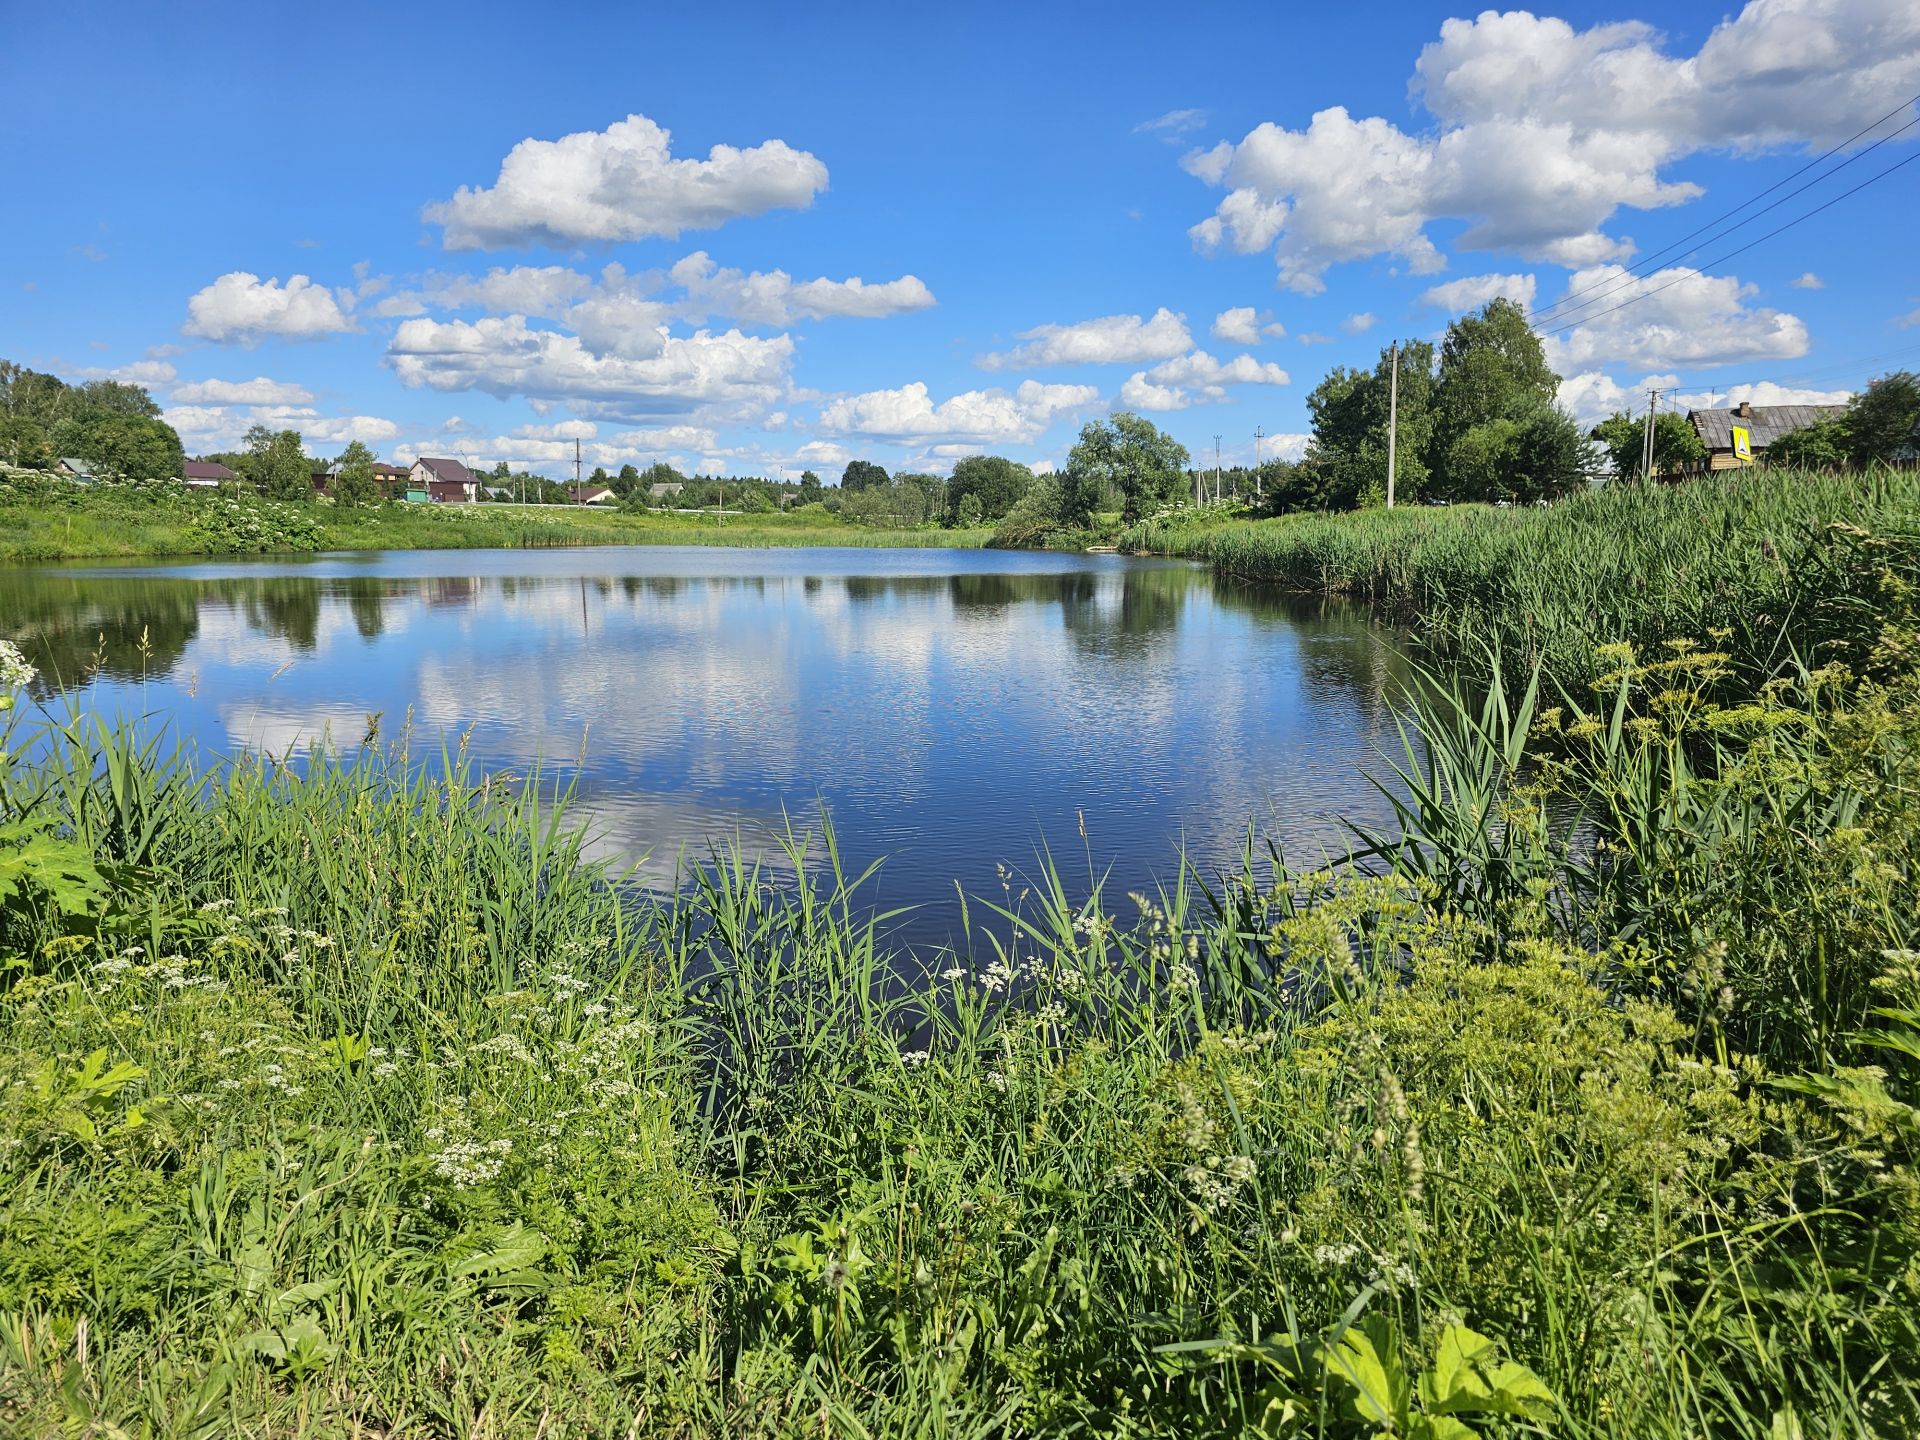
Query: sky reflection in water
[{"x": 949, "y": 709}]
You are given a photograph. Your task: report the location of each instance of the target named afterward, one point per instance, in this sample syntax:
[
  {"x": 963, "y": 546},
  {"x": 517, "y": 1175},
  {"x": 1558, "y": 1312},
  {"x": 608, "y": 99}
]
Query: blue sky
[{"x": 484, "y": 231}]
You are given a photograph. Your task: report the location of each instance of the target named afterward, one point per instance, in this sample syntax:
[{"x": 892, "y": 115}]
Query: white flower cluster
[
  {"x": 467, "y": 1163},
  {"x": 997, "y": 976},
  {"x": 15, "y": 672},
  {"x": 1216, "y": 1182}
]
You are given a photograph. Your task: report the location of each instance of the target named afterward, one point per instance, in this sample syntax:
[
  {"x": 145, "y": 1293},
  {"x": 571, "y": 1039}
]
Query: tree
[
  {"x": 353, "y": 482},
  {"x": 862, "y": 475},
  {"x": 283, "y": 472},
  {"x": 1493, "y": 372},
  {"x": 810, "y": 487},
  {"x": 598, "y": 477},
  {"x": 1884, "y": 418},
  {"x": 1347, "y": 456},
  {"x": 128, "y": 445},
  {"x": 626, "y": 482},
  {"x": 1676, "y": 444},
  {"x": 993, "y": 481},
  {"x": 112, "y": 397},
  {"x": 1819, "y": 446},
  {"x": 1127, "y": 453},
  {"x": 24, "y": 443},
  {"x": 932, "y": 490}
]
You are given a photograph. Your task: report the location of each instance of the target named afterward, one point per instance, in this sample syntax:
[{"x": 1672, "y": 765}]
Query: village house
[
  {"x": 664, "y": 489},
  {"x": 590, "y": 494},
  {"x": 1764, "y": 424},
  {"x": 446, "y": 482},
  {"x": 207, "y": 474},
  {"x": 76, "y": 470}
]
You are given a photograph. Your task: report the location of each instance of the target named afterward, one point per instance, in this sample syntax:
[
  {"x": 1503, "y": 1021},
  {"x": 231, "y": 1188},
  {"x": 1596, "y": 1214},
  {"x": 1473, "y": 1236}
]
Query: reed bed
[
  {"x": 1733, "y": 556},
  {"x": 350, "y": 1099}
]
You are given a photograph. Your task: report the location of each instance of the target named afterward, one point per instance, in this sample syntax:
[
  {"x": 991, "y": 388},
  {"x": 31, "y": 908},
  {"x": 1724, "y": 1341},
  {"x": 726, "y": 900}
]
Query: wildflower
[
  {"x": 997, "y": 976},
  {"x": 1183, "y": 978},
  {"x": 15, "y": 672},
  {"x": 911, "y": 1058},
  {"x": 954, "y": 972},
  {"x": 1335, "y": 1255}
]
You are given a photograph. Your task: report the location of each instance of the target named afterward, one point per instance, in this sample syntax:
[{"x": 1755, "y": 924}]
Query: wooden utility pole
[
  {"x": 1646, "y": 443},
  {"x": 1393, "y": 419},
  {"x": 1258, "y": 435},
  {"x": 1216, "y": 469},
  {"x": 576, "y": 467}
]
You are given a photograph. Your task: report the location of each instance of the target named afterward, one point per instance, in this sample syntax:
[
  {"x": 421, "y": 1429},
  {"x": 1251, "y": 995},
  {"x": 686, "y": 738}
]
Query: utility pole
[
  {"x": 576, "y": 467},
  {"x": 1216, "y": 469},
  {"x": 1258, "y": 435},
  {"x": 1393, "y": 419},
  {"x": 1646, "y": 443}
]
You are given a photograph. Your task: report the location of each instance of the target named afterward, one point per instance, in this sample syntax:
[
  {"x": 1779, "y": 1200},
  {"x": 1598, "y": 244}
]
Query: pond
[{"x": 951, "y": 711}]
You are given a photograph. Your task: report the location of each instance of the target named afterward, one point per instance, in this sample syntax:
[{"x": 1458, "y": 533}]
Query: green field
[
  {"x": 47, "y": 519},
  {"x": 356, "y": 1102}
]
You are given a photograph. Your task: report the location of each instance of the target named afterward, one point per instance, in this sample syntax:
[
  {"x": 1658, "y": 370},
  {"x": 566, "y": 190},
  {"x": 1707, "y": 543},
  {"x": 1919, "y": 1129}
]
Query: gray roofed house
[
  {"x": 1764, "y": 423},
  {"x": 77, "y": 470},
  {"x": 664, "y": 489}
]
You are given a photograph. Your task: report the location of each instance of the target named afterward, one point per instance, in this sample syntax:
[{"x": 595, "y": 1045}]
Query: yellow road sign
[{"x": 1742, "y": 444}]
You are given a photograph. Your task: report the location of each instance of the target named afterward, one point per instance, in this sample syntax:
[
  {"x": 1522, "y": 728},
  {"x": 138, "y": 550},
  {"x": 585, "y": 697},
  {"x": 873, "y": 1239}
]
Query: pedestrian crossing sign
[{"x": 1742, "y": 444}]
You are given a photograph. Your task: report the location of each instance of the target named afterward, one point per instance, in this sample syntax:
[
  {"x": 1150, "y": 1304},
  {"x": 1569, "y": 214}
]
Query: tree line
[{"x": 115, "y": 427}]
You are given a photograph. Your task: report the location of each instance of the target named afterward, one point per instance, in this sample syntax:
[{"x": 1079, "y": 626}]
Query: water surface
[{"x": 951, "y": 710}]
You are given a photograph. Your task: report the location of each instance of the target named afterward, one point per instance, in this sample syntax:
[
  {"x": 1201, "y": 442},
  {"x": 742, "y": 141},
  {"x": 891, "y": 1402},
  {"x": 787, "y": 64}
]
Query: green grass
[
  {"x": 42, "y": 519},
  {"x": 350, "y": 1099}
]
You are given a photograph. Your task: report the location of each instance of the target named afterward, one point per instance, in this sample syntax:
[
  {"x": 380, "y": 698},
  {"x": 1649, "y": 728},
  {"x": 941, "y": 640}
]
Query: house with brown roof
[
  {"x": 446, "y": 482},
  {"x": 590, "y": 495},
  {"x": 1764, "y": 424},
  {"x": 207, "y": 474}
]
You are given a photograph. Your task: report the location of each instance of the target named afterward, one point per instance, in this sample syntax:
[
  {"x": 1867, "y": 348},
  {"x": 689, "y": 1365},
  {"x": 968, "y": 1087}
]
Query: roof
[
  {"x": 587, "y": 494},
  {"x": 449, "y": 470},
  {"x": 380, "y": 467},
  {"x": 206, "y": 470},
  {"x": 1765, "y": 424},
  {"x": 668, "y": 487},
  {"x": 75, "y": 466}
]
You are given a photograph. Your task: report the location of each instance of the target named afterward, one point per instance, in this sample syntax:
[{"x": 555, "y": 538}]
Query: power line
[
  {"x": 1647, "y": 266},
  {"x": 1784, "y": 180},
  {"x": 1722, "y": 259}
]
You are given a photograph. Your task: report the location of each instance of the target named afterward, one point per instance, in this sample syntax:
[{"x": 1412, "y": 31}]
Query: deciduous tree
[
  {"x": 353, "y": 482},
  {"x": 996, "y": 482},
  {"x": 1126, "y": 453}
]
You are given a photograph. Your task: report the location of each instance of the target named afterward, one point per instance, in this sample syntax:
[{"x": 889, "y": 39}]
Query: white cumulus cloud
[
  {"x": 1470, "y": 292},
  {"x": 620, "y": 184},
  {"x": 1761, "y": 392},
  {"x": 775, "y": 298},
  {"x": 1196, "y": 378},
  {"x": 242, "y": 308},
  {"x": 979, "y": 416},
  {"x": 1243, "y": 325},
  {"x": 1109, "y": 340},
  {"x": 1545, "y": 131},
  {"x": 257, "y": 391},
  {"x": 1677, "y": 319},
  {"x": 505, "y": 356}
]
